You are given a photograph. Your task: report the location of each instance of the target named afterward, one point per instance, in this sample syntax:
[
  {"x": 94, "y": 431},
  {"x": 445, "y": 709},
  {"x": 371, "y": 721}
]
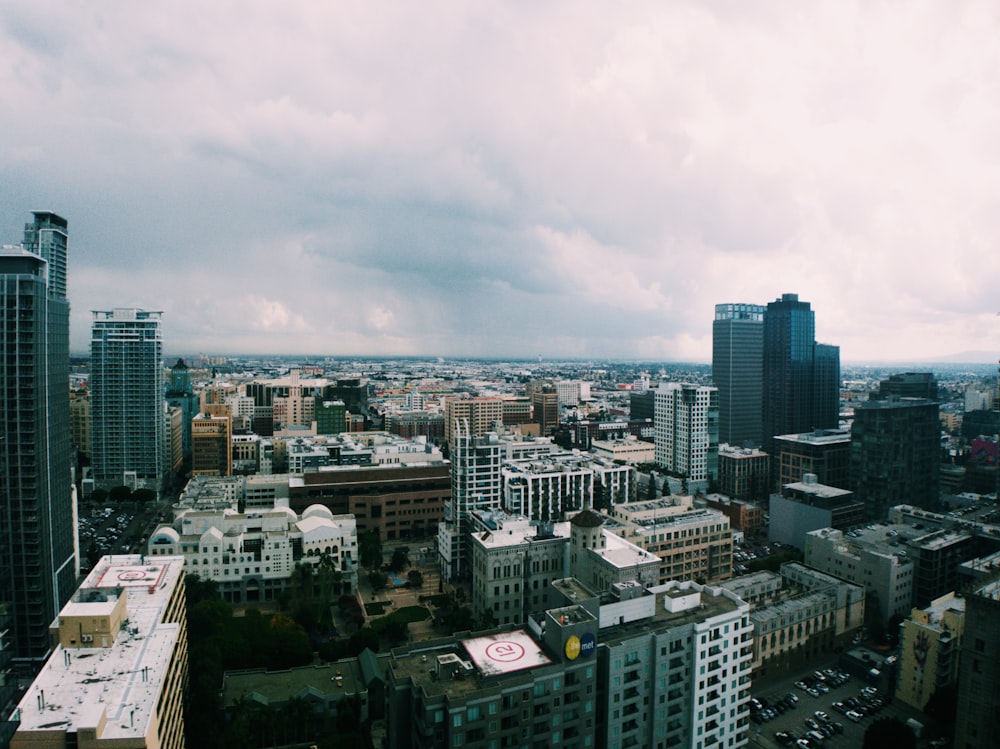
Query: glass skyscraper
[
  {"x": 737, "y": 371},
  {"x": 801, "y": 378},
  {"x": 127, "y": 399},
  {"x": 38, "y": 562}
]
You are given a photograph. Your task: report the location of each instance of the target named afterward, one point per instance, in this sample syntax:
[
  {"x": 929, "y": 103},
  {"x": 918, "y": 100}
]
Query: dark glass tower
[
  {"x": 801, "y": 377},
  {"x": 37, "y": 549},
  {"x": 737, "y": 371},
  {"x": 895, "y": 454}
]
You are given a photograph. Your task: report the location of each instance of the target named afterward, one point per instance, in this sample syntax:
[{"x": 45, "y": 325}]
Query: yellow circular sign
[{"x": 572, "y": 647}]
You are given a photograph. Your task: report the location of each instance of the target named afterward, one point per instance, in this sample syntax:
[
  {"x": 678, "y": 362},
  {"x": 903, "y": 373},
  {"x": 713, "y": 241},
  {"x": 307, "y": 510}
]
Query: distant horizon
[{"x": 892, "y": 364}]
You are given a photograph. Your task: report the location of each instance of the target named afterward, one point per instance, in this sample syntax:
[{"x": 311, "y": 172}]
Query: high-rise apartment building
[
  {"x": 477, "y": 416},
  {"x": 801, "y": 377},
  {"x": 38, "y": 564},
  {"x": 738, "y": 371},
  {"x": 476, "y": 484},
  {"x": 687, "y": 432},
  {"x": 212, "y": 442},
  {"x": 895, "y": 454},
  {"x": 128, "y": 417}
]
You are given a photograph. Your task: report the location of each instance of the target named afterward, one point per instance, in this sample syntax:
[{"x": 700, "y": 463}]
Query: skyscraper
[
  {"x": 738, "y": 371},
  {"x": 686, "y": 432},
  {"x": 37, "y": 557},
  {"x": 127, "y": 411},
  {"x": 801, "y": 377}
]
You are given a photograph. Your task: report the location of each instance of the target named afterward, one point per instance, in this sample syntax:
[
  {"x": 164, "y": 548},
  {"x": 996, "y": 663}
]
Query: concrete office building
[
  {"x": 127, "y": 399},
  {"x": 885, "y": 571},
  {"x": 470, "y": 417},
  {"x": 738, "y": 371},
  {"x": 930, "y": 642},
  {"x": 687, "y": 432},
  {"x": 515, "y": 560},
  {"x": 252, "y": 555},
  {"x": 398, "y": 502},
  {"x": 691, "y": 543},
  {"x": 823, "y": 452},
  {"x": 896, "y": 454},
  {"x": 977, "y": 722},
  {"x": 38, "y": 558},
  {"x": 124, "y": 633},
  {"x": 808, "y": 505}
]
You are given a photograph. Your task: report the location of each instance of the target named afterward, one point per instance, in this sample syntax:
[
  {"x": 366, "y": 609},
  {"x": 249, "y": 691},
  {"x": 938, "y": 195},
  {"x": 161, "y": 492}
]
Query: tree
[
  {"x": 377, "y": 580},
  {"x": 99, "y": 496},
  {"x": 144, "y": 495},
  {"x": 415, "y": 578},
  {"x": 889, "y": 732},
  {"x": 120, "y": 494},
  {"x": 370, "y": 549},
  {"x": 400, "y": 561}
]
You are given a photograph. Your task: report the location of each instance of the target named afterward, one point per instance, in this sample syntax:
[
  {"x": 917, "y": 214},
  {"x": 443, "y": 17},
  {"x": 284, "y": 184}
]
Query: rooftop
[{"x": 81, "y": 688}]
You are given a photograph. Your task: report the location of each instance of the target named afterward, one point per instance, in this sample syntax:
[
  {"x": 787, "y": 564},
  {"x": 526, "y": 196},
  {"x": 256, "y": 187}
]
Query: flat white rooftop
[{"x": 80, "y": 688}]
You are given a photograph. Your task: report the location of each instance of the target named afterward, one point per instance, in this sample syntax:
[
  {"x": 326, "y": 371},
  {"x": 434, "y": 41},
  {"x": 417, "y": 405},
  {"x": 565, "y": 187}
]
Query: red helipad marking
[
  {"x": 132, "y": 575},
  {"x": 504, "y": 651}
]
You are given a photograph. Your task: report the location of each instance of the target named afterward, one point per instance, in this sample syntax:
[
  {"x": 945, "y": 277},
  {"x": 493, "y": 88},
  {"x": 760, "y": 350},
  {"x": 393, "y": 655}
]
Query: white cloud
[{"x": 513, "y": 179}]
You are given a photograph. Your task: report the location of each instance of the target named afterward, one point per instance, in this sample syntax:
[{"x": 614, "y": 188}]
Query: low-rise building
[
  {"x": 252, "y": 555},
  {"x": 629, "y": 450},
  {"x": 808, "y": 505}
]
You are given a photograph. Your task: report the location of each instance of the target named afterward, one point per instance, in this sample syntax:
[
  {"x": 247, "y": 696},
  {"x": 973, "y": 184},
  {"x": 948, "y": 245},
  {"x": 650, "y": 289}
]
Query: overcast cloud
[{"x": 513, "y": 179}]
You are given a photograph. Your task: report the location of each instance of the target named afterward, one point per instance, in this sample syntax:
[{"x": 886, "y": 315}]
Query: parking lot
[{"x": 793, "y": 720}]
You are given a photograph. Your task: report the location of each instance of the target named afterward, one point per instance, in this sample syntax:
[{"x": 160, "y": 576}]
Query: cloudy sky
[{"x": 513, "y": 179}]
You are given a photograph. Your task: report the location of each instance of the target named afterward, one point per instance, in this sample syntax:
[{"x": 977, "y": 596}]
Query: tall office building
[
  {"x": 895, "y": 454},
  {"x": 801, "y": 377},
  {"x": 127, "y": 412},
  {"x": 977, "y": 720},
  {"x": 738, "y": 371},
  {"x": 477, "y": 415},
  {"x": 686, "y": 432},
  {"x": 37, "y": 557}
]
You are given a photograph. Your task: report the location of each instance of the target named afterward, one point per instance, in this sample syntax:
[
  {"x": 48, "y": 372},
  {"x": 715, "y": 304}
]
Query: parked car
[{"x": 854, "y": 715}]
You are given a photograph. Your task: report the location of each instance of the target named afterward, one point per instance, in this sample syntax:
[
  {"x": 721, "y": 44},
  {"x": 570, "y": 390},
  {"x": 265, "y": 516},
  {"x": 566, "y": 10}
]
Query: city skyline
[{"x": 441, "y": 181}]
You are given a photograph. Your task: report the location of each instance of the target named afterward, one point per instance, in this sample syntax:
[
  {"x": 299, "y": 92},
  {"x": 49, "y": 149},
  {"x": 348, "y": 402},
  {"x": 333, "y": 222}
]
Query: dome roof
[
  {"x": 321, "y": 511},
  {"x": 587, "y": 519},
  {"x": 165, "y": 535}
]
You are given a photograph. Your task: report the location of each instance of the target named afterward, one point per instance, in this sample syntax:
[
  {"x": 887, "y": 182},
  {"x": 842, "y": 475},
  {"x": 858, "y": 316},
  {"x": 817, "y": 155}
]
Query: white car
[{"x": 854, "y": 715}]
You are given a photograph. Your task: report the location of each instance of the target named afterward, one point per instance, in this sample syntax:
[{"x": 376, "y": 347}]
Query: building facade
[
  {"x": 127, "y": 414},
  {"x": 744, "y": 473},
  {"x": 38, "y": 561},
  {"x": 738, "y": 371},
  {"x": 826, "y": 453}
]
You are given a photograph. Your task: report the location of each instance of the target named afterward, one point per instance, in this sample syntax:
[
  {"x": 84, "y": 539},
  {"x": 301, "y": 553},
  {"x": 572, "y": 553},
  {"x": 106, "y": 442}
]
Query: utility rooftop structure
[{"x": 118, "y": 674}]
